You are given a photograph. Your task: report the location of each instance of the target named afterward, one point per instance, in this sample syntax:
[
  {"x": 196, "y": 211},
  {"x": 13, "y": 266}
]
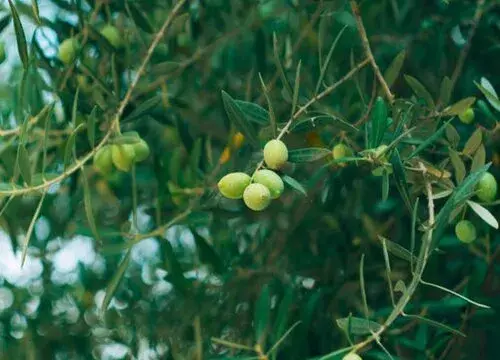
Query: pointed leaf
[
  {"x": 286, "y": 84},
  {"x": 378, "y": 123},
  {"x": 254, "y": 112},
  {"x": 452, "y": 135},
  {"x": 324, "y": 67},
  {"x": 397, "y": 250},
  {"x": 272, "y": 117},
  {"x": 20, "y": 36},
  {"x": 24, "y": 164},
  {"x": 89, "y": 212},
  {"x": 484, "y": 214},
  {"x": 357, "y": 326},
  {"x": 139, "y": 17},
  {"x": 429, "y": 140},
  {"x": 294, "y": 184},
  {"x": 479, "y": 159},
  {"x": 4, "y": 22},
  {"x": 296, "y": 88},
  {"x": 115, "y": 281},
  {"x": 91, "y": 121},
  {"x": 70, "y": 145},
  {"x": 283, "y": 314},
  {"x": 474, "y": 142},
  {"x": 489, "y": 92},
  {"x": 307, "y": 154},
  {"x": 445, "y": 91},
  {"x": 392, "y": 72},
  {"x": 458, "y": 165},
  {"x": 459, "y": 107},
  {"x": 36, "y": 11},
  {"x": 436, "y": 324},
  {"x": 207, "y": 253},
  {"x": 30, "y": 229},
  {"x": 262, "y": 315},
  {"x": 237, "y": 117},
  {"x": 420, "y": 90}
]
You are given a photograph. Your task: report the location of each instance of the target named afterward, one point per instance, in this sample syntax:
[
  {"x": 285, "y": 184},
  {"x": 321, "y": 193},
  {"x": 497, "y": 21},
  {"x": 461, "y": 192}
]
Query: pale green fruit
[
  {"x": 111, "y": 33},
  {"x": 352, "y": 356},
  {"x": 340, "y": 151},
  {"x": 465, "y": 231},
  {"x": 67, "y": 50},
  {"x": 257, "y": 197},
  {"x": 123, "y": 156},
  {"x": 381, "y": 154},
  {"x": 233, "y": 185},
  {"x": 275, "y": 154},
  {"x": 467, "y": 116},
  {"x": 141, "y": 150},
  {"x": 271, "y": 180},
  {"x": 487, "y": 188},
  {"x": 103, "y": 161}
]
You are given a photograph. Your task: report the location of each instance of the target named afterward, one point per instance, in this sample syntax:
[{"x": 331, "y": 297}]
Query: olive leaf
[
  {"x": 458, "y": 165},
  {"x": 473, "y": 142},
  {"x": 357, "y": 326},
  {"x": 22, "y": 47},
  {"x": 483, "y": 213},
  {"x": 115, "y": 280},
  {"x": 307, "y": 154},
  {"x": 392, "y": 72},
  {"x": 420, "y": 90},
  {"x": 378, "y": 123},
  {"x": 237, "y": 117},
  {"x": 459, "y": 107}
]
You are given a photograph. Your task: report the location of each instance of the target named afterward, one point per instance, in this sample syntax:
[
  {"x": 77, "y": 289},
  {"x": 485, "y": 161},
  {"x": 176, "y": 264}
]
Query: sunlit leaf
[
  {"x": 394, "y": 69},
  {"x": 484, "y": 214},
  {"x": 357, "y": 326},
  {"x": 459, "y": 107},
  {"x": 307, "y": 154},
  {"x": 294, "y": 184}
]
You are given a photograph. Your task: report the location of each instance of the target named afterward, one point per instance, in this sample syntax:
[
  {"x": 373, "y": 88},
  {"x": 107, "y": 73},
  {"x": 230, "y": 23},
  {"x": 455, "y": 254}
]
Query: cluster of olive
[
  {"x": 265, "y": 185},
  {"x": 486, "y": 191},
  {"x": 121, "y": 155},
  {"x": 69, "y": 48}
]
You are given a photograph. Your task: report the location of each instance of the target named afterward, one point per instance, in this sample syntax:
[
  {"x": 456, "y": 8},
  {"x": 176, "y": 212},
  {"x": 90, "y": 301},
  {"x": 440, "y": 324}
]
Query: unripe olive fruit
[
  {"x": 352, "y": 356},
  {"x": 467, "y": 116},
  {"x": 271, "y": 180},
  {"x": 275, "y": 154},
  {"x": 67, "y": 50},
  {"x": 111, "y": 33},
  {"x": 257, "y": 197},
  {"x": 141, "y": 150},
  {"x": 465, "y": 231},
  {"x": 234, "y": 184},
  {"x": 103, "y": 161},
  {"x": 340, "y": 151},
  {"x": 123, "y": 156},
  {"x": 487, "y": 188},
  {"x": 3, "y": 54}
]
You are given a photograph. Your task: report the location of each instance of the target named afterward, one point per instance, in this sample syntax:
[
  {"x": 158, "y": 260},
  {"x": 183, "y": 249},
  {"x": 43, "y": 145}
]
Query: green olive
[
  {"x": 111, "y": 33},
  {"x": 467, "y": 116},
  {"x": 271, "y": 180},
  {"x": 465, "y": 231},
  {"x": 257, "y": 197},
  {"x": 103, "y": 161},
  {"x": 275, "y": 154},
  {"x": 487, "y": 188},
  {"x": 352, "y": 356},
  {"x": 141, "y": 150},
  {"x": 67, "y": 50},
  {"x": 340, "y": 151},
  {"x": 233, "y": 185},
  {"x": 3, "y": 54},
  {"x": 123, "y": 156}
]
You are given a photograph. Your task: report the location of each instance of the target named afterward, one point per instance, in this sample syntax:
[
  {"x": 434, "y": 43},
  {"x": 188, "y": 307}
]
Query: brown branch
[{"x": 368, "y": 51}]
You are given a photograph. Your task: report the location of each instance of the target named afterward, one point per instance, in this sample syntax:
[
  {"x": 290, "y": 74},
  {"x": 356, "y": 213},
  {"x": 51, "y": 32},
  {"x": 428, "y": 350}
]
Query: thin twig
[{"x": 368, "y": 51}]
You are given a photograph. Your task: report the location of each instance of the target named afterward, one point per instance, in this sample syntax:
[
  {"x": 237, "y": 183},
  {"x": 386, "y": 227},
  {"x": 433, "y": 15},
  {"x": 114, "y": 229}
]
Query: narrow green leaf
[
  {"x": 385, "y": 186},
  {"x": 24, "y": 164},
  {"x": 294, "y": 184},
  {"x": 336, "y": 355},
  {"x": 394, "y": 69},
  {"x": 473, "y": 142},
  {"x": 70, "y": 145},
  {"x": 378, "y": 123},
  {"x": 207, "y": 253},
  {"x": 91, "y": 122},
  {"x": 459, "y": 107},
  {"x": 489, "y": 92},
  {"x": 307, "y": 154},
  {"x": 455, "y": 294},
  {"x": 458, "y": 165},
  {"x": 483, "y": 213},
  {"x": 115, "y": 280},
  {"x": 397, "y": 250},
  {"x": 325, "y": 65},
  {"x": 479, "y": 159},
  {"x": 262, "y": 315},
  {"x": 139, "y": 17},
  {"x": 429, "y": 140},
  {"x": 436, "y": 324},
  {"x": 452, "y": 136},
  {"x": 283, "y": 314},
  {"x": 296, "y": 88},
  {"x": 286, "y": 84},
  {"x": 4, "y": 22},
  {"x": 30, "y": 229},
  {"x": 357, "y": 326},
  {"x": 237, "y": 117},
  {"x": 74, "y": 109},
  {"x": 254, "y": 112},
  {"x": 414, "y": 218},
  {"x": 20, "y": 36},
  {"x": 400, "y": 177},
  {"x": 420, "y": 90},
  {"x": 388, "y": 270},
  {"x": 445, "y": 91},
  {"x": 272, "y": 117},
  {"x": 89, "y": 212},
  {"x": 362, "y": 287},
  {"x": 36, "y": 11}
]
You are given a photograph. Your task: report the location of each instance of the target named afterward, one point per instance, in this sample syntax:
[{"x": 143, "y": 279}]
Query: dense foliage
[{"x": 249, "y": 179}]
